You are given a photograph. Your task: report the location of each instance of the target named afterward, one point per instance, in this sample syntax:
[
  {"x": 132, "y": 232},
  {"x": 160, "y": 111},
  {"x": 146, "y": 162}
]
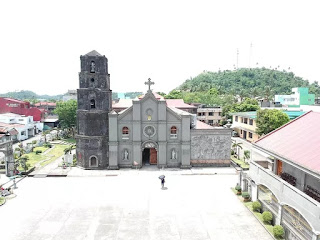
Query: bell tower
[{"x": 94, "y": 104}]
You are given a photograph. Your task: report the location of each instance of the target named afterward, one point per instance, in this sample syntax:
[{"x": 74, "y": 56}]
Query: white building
[{"x": 25, "y": 125}]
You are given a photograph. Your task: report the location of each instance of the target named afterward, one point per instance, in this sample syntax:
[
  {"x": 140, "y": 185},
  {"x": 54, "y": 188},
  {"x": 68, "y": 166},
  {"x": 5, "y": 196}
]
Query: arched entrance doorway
[{"x": 149, "y": 153}]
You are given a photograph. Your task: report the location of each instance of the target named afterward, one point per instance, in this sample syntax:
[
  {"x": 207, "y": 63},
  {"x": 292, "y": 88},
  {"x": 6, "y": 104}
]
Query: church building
[{"x": 147, "y": 133}]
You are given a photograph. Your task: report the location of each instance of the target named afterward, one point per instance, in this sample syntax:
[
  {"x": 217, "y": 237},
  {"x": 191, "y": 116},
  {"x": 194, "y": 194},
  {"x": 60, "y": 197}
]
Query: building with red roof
[
  {"x": 285, "y": 176},
  {"x": 9, "y": 105}
]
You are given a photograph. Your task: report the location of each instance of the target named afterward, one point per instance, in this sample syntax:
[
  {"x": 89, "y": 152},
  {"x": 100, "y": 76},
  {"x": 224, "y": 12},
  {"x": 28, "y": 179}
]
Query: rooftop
[
  {"x": 297, "y": 141},
  {"x": 93, "y": 53},
  {"x": 253, "y": 115}
]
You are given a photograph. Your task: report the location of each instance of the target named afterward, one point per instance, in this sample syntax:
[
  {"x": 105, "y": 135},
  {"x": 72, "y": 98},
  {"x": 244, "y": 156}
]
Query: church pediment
[{"x": 127, "y": 113}]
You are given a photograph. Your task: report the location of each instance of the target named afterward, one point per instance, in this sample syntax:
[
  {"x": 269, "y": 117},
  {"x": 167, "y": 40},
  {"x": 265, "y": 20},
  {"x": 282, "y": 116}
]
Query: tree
[
  {"x": 174, "y": 94},
  {"x": 269, "y": 120},
  {"x": 246, "y": 155},
  {"x": 237, "y": 146},
  {"x": 67, "y": 114}
]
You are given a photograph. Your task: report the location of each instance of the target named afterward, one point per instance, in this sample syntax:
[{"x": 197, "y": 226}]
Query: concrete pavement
[{"x": 130, "y": 205}]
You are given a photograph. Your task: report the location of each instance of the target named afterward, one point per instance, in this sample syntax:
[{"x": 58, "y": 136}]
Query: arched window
[
  {"x": 93, "y": 161},
  {"x": 92, "y": 103},
  {"x": 93, "y": 67},
  {"x": 125, "y": 132},
  {"x": 173, "y": 132}
]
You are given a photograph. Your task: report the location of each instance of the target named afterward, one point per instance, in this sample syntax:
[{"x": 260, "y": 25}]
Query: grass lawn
[
  {"x": 2, "y": 200},
  {"x": 240, "y": 162},
  {"x": 55, "y": 153},
  {"x": 69, "y": 140},
  {"x": 49, "y": 156}
]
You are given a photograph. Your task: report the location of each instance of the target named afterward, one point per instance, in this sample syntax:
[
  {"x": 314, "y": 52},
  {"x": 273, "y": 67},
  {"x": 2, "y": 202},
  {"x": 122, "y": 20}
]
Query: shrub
[
  {"x": 267, "y": 217},
  {"x": 245, "y": 195},
  {"x": 256, "y": 206},
  {"x": 278, "y": 231},
  {"x": 38, "y": 151},
  {"x": 238, "y": 188},
  {"x": 232, "y": 152}
]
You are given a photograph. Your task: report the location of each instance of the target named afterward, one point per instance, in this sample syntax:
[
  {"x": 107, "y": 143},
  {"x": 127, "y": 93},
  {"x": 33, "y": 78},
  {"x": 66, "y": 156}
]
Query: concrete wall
[{"x": 210, "y": 147}]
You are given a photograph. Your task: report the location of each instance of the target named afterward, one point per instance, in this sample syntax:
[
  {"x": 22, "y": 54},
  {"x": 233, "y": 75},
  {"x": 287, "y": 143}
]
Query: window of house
[
  {"x": 210, "y": 113},
  {"x": 241, "y": 131},
  {"x": 250, "y": 121},
  {"x": 173, "y": 132},
  {"x": 23, "y": 133},
  {"x": 250, "y": 135},
  {"x": 219, "y": 113},
  {"x": 93, "y": 161},
  {"x": 199, "y": 114},
  {"x": 92, "y": 103},
  {"x": 245, "y": 120},
  {"x": 210, "y": 122},
  {"x": 236, "y": 119}
]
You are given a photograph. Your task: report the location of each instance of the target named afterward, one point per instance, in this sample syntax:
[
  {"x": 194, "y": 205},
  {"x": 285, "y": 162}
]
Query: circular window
[{"x": 149, "y": 131}]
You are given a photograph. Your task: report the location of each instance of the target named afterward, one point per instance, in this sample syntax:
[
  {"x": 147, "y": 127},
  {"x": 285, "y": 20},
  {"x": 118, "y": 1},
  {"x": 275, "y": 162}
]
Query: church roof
[
  {"x": 156, "y": 95},
  {"x": 123, "y": 103},
  {"x": 93, "y": 53},
  {"x": 178, "y": 103},
  {"x": 202, "y": 125}
]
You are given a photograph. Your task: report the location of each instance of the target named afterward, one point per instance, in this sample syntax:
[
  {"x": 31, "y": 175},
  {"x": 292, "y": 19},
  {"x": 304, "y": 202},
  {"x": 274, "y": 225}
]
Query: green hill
[
  {"x": 25, "y": 94},
  {"x": 252, "y": 82}
]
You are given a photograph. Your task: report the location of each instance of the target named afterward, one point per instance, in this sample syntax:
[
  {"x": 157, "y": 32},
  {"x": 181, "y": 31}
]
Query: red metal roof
[
  {"x": 202, "y": 125},
  {"x": 15, "y": 100},
  {"x": 45, "y": 104},
  {"x": 298, "y": 141},
  {"x": 178, "y": 103}
]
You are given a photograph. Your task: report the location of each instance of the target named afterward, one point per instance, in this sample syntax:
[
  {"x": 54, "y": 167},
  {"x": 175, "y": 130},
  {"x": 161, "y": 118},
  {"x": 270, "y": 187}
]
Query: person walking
[{"x": 162, "y": 182}]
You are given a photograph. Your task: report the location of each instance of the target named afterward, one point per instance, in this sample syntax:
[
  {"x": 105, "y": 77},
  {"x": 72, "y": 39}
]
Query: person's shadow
[{"x": 164, "y": 188}]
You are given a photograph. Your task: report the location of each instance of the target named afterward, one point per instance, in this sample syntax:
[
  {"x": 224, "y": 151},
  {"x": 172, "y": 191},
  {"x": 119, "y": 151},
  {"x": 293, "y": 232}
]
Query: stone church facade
[{"x": 147, "y": 133}]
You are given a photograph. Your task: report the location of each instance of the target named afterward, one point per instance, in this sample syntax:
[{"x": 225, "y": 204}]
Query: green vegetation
[
  {"x": 69, "y": 140},
  {"x": 67, "y": 112},
  {"x": 269, "y": 120},
  {"x": 246, "y": 105},
  {"x": 256, "y": 206},
  {"x": 241, "y": 163},
  {"x": 46, "y": 157},
  {"x": 246, "y": 196},
  {"x": 30, "y": 96},
  {"x": 253, "y": 82},
  {"x": 278, "y": 232},
  {"x": 267, "y": 217},
  {"x": 269, "y": 227},
  {"x": 2, "y": 200}
]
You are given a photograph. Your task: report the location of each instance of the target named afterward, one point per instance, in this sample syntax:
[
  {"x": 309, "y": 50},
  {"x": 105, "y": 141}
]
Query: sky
[{"x": 168, "y": 41}]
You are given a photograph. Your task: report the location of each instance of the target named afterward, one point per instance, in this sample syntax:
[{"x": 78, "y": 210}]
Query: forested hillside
[
  {"x": 248, "y": 82},
  {"x": 29, "y": 95}
]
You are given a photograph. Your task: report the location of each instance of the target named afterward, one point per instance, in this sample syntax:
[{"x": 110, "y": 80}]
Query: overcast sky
[{"x": 168, "y": 41}]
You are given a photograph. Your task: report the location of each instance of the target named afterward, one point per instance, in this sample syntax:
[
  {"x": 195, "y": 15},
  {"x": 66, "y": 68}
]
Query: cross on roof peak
[{"x": 149, "y": 83}]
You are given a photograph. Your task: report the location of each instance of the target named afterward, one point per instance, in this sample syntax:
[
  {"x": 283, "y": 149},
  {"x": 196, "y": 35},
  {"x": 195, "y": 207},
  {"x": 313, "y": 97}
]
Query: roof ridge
[{"x": 283, "y": 126}]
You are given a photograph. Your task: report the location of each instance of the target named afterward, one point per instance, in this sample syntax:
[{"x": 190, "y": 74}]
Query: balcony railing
[{"x": 288, "y": 194}]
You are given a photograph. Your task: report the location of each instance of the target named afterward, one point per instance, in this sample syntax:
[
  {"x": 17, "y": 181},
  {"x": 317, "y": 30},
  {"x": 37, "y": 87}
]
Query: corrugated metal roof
[
  {"x": 202, "y": 125},
  {"x": 178, "y": 103},
  {"x": 253, "y": 115},
  {"x": 298, "y": 141}
]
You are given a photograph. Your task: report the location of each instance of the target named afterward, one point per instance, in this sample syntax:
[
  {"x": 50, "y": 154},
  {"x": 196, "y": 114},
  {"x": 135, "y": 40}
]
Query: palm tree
[{"x": 236, "y": 147}]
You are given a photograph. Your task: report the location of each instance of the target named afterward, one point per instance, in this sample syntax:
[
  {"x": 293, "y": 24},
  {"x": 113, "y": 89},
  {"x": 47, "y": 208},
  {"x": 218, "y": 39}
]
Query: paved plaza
[{"x": 130, "y": 204}]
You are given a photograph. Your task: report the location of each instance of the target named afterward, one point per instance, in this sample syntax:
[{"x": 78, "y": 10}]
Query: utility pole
[
  {"x": 250, "y": 55},
  {"x": 237, "y": 57}
]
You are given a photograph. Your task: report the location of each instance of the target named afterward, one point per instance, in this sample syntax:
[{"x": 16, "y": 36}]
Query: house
[
  {"x": 209, "y": 115},
  {"x": 70, "y": 95},
  {"x": 244, "y": 123},
  {"x": 285, "y": 176},
  {"x": 48, "y": 107},
  {"x": 25, "y": 125},
  {"x": 299, "y": 96},
  {"x": 9, "y": 105}
]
